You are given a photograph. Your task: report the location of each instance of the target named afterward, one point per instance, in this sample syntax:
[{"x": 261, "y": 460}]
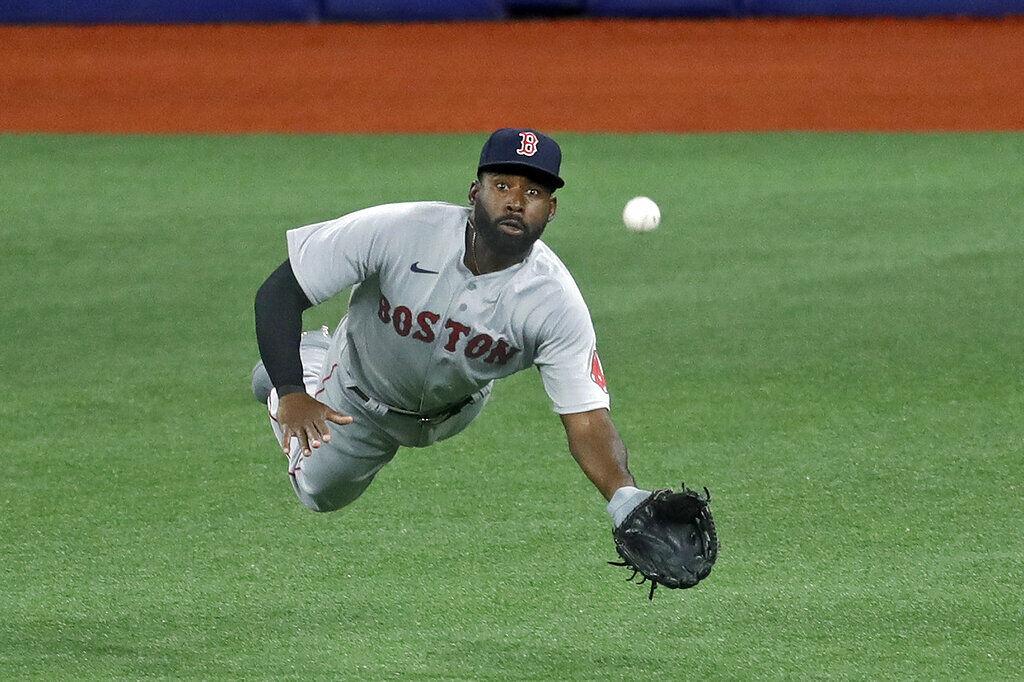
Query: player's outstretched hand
[{"x": 304, "y": 417}]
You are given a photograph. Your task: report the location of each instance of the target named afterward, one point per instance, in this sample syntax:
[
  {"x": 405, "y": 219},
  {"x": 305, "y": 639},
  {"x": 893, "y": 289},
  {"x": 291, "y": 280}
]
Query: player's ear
[
  {"x": 553, "y": 208},
  {"x": 474, "y": 188}
]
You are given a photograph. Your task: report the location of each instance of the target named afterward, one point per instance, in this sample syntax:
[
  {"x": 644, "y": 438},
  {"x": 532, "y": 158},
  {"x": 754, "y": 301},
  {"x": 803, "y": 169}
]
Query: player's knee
[
  {"x": 324, "y": 498},
  {"x": 321, "y": 504},
  {"x": 314, "y": 505}
]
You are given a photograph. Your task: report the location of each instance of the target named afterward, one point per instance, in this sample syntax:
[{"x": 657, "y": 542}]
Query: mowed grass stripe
[{"x": 826, "y": 331}]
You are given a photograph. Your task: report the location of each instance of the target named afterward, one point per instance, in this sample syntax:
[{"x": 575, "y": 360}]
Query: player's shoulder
[{"x": 413, "y": 213}]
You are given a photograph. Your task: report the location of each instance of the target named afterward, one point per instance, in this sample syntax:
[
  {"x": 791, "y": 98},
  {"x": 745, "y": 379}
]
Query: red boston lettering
[
  {"x": 502, "y": 353},
  {"x": 402, "y": 320},
  {"x": 423, "y": 327},
  {"x": 458, "y": 330},
  {"x": 478, "y": 345},
  {"x": 426, "y": 320}
]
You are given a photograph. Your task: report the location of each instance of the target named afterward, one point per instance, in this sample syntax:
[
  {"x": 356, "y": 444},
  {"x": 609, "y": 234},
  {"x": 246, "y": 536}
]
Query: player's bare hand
[{"x": 304, "y": 417}]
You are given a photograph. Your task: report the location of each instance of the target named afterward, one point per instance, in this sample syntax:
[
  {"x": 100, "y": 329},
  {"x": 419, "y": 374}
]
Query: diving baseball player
[{"x": 445, "y": 299}]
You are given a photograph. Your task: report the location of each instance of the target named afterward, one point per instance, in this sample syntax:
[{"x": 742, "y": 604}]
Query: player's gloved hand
[
  {"x": 669, "y": 537},
  {"x": 626, "y": 499},
  {"x": 304, "y": 417}
]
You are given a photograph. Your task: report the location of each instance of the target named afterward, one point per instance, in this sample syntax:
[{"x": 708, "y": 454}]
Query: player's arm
[
  {"x": 596, "y": 446},
  {"x": 574, "y": 380},
  {"x": 280, "y": 302},
  {"x": 324, "y": 259}
]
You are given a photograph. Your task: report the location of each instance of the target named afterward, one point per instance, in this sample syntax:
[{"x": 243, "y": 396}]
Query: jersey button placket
[
  {"x": 440, "y": 356},
  {"x": 470, "y": 286}
]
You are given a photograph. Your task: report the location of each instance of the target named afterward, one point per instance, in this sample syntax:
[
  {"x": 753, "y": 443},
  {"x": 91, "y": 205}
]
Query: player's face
[{"x": 510, "y": 211}]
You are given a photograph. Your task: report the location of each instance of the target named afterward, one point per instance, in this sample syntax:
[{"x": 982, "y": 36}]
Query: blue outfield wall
[
  {"x": 874, "y": 8},
  {"x": 664, "y": 8},
  {"x": 156, "y": 11},
  {"x": 412, "y": 10},
  {"x": 211, "y": 11}
]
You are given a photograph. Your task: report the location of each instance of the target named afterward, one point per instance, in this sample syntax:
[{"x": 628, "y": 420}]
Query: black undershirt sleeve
[{"x": 280, "y": 303}]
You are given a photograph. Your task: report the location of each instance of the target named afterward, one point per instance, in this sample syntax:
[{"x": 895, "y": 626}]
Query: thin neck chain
[{"x": 472, "y": 249}]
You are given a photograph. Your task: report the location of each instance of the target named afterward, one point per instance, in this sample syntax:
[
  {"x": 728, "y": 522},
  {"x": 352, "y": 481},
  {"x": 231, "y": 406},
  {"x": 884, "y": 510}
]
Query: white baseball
[{"x": 641, "y": 214}]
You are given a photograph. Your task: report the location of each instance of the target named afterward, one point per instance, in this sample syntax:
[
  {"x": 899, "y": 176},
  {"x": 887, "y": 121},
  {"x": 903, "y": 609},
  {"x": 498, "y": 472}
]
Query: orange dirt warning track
[{"x": 672, "y": 76}]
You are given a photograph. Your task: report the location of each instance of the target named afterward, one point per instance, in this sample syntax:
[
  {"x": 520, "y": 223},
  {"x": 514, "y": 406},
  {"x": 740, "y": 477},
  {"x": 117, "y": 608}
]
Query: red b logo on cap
[{"x": 527, "y": 144}]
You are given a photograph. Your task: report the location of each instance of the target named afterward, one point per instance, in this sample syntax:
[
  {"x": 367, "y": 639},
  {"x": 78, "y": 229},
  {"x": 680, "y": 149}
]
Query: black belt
[{"x": 444, "y": 414}]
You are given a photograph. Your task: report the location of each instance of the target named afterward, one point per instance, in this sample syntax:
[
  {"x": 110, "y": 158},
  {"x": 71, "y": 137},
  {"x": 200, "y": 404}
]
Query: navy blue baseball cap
[{"x": 523, "y": 150}]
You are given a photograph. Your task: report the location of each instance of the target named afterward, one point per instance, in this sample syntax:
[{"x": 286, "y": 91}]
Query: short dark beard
[{"x": 500, "y": 243}]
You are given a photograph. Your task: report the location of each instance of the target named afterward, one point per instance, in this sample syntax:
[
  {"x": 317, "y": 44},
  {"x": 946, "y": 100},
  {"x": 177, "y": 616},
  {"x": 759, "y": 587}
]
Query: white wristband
[{"x": 624, "y": 501}]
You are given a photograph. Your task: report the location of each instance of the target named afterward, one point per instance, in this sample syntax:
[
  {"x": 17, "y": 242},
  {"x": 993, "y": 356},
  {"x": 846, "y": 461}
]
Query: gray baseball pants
[{"x": 338, "y": 472}]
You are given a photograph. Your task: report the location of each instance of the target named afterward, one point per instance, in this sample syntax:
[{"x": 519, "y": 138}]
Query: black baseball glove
[{"x": 669, "y": 539}]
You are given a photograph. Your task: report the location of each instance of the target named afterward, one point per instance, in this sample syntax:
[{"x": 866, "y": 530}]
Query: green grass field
[{"x": 827, "y": 331}]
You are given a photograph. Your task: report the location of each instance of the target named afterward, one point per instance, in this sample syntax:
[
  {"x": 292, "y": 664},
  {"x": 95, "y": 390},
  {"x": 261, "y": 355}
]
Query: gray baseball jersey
[{"x": 423, "y": 332}]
